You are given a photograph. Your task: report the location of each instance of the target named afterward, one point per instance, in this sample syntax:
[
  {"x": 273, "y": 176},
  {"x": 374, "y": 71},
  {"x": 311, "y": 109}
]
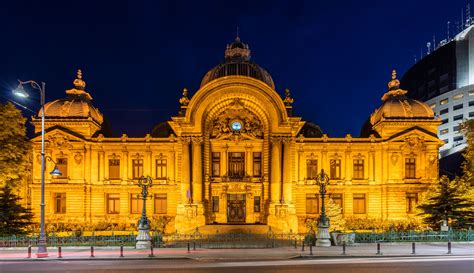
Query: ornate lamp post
[
  {"x": 143, "y": 238},
  {"x": 323, "y": 221},
  {"x": 20, "y": 92}
]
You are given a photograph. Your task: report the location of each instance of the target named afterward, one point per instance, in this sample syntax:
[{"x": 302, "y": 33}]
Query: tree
[
  {"x": 14, "y": 218},
  {"x": 14, "y": 146},
  {"x": 446, "y": 201}
]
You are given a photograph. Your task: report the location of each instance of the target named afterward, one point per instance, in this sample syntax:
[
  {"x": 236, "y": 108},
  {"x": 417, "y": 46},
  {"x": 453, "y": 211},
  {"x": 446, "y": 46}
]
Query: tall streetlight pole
[
  {"x": 143, "y": 238},
  {"x": 20, "y": 91},
  {"x": 323, "y": 221}
]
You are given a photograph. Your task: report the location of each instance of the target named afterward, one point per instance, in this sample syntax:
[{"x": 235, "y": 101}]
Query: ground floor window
[
  {"x": 256, "y": 204},
  {"x": 60, "y": 203},
  {"x": 312, "y": 203},
  {"x": 161, "y": 203},
  {"x": 215, "y": 204},
  {"x": 136, "y": 203},
  {"x": 412, "y": 201},
  {"x": 337, "y": 199},
  {"x": 113, "y": 203},
  {"x": 359, "y": 203}
]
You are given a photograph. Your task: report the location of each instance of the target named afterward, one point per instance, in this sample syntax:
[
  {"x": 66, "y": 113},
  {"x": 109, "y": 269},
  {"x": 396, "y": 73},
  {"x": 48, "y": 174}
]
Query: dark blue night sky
[{"x": 335, "y": 56}]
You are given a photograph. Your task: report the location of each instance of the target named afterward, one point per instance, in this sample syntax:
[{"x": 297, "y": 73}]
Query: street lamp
[
  {"x": 20, "y": 92},
  {"x": 323, "y": 221},
  {"x": 143, "y": 238}
]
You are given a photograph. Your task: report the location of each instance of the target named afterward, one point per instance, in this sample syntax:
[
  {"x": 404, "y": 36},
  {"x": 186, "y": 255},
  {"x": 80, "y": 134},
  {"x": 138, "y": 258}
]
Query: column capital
[{"x": 197, "y": 140}]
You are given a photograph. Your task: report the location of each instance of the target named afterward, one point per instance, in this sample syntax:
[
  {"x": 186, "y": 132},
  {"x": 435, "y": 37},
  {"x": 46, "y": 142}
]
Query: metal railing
[{"x": 414, "y": 236}]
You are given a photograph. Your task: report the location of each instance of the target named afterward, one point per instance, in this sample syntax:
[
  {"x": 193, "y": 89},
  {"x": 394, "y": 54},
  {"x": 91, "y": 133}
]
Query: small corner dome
[
  {"x": 397, "y": 106},
  {"x": 237, "y": 63},
  {"x": 77, "y": 104}
]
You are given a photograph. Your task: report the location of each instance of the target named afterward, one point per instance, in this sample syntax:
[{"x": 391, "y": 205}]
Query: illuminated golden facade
[{"x": 234, "y": 154}]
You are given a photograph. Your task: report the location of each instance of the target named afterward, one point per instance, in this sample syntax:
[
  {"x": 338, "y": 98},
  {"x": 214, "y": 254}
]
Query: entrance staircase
[{"x": 234, "y": 229}]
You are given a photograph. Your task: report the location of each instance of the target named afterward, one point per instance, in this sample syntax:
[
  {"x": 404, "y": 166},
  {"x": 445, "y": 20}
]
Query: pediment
[{"x": 59, "y": 137}]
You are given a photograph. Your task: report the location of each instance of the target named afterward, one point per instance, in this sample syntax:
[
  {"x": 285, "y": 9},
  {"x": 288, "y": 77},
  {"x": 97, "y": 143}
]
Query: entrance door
[{"x": 236, "y": 208}]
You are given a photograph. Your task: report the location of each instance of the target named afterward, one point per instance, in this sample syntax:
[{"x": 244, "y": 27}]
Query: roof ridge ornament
[
  {"x": 79, "y": 86},
  {"x": 237, "y": 50},
  {"x": 393, "y": 87},
  {"x": 288, "y": 99},
  {"x": 184, "y": 100}
]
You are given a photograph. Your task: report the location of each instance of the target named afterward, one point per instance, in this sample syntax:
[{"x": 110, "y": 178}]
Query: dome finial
[
  {"x": 78, "y": 82},
  {"x": 237, "y": 37},
  {"x": 394, "y": 83},
  {"x": 79, "y": 86}
]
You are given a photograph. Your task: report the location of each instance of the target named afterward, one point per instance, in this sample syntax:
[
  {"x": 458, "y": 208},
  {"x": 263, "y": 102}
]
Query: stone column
[
  {"x": 197, "y": 170},
  {"x": 125, "y": 166},
  {"x": 101, "y": 166},
  {"x": 348, "y": 167},
  {"x": 248, "y": 160},
  {"x": 171, "y": 167},
  {"x": 275, "y": 184},
  {"x": 287, "y": 185},
  {"x": 371, "y": 166},
  {"x": 185, "y": 170},
  {"x": 148, "y": 165},
  {"x": 300, "y": 166}
]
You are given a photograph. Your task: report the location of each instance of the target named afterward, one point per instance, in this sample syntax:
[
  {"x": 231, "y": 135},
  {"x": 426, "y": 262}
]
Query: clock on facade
[{"x": 236, "y": 125}]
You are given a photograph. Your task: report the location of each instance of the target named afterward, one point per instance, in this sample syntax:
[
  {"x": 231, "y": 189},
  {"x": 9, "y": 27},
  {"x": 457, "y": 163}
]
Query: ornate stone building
[{"x": 234, "y": 154}]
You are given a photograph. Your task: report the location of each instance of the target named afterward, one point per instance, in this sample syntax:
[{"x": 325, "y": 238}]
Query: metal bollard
[
  {"x": 296, "y": 244},
  {"x": 194, "y": 245},
  {"x": 413, "y": 248},
  {"x": 59, "y": 252},
  {"x": 449, "y": 247},
  {"x": 151, "y": 251},
  {"x": 311, "y": 249},
  {"x": 378, "y": 249},
  {"x": 343, "y": 248},
  {"x": 29, "y": 251},
  {"x": 189, "y": 248},
  {"x": 92, "y": 252},
  {"x": 121, "y": 251},
  {"x": 302, "y": 245},
  {"x": 273, "y": 244}
]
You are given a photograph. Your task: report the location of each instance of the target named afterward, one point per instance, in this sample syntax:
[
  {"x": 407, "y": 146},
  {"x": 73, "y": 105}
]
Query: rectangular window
[
  {"x": 443, "y": 102},
  {"x": 444, "y": 111},
  {"x": 256, "y": 204},
  {"x": 236, "y": 165},
  {"x": 471, "y": 114},
  {"x": 457, "y": 107},
  {"x": 161, "y": 169},
  {"x": 458, "y": 117},
  {"x": 136, "y": 203},
  {"x": 410, "y": 168},
  {"x": 137, "y": 167},
  {"x": 359, "y": 203},
  {"x": 337, "y": 199},
  {"x": 456, "y": 128},
  {"x": 471, "y": 93},
  {"x": 335, "y": 169},
  {"x": 471, "y": 103},
  {"x": 358, "y": 172},
  {"x": 312, "y": 203},
  {"x": 257, "y": 164},
  {"x": 311, "y": 168},
  {"x": 444, "y": 121},
  {"x": 458, "y": 138},
  {"x": 61, "y": 163},
  {"x": 216, "y": 164},
  {"x": 60, "y": 203},
  {"x": 215, "y": 204},
  {"x": 412, "y": 201},
  {"x": 458, "y": 96},
  {"x": 161, "y": 203},
  {"x": 444, "y": 131},
  {"x": 114, "y": 168},
  {"x": 433, "y": 105},
  {"x": 113, "y": 203}
]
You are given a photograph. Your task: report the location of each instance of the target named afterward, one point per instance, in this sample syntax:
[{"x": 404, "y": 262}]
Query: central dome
[{"x": 237, "y": 63}]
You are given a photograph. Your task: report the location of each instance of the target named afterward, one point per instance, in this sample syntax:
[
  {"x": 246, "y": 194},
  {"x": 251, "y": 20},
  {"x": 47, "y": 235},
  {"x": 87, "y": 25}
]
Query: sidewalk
[{"x": 361, "y": 250}]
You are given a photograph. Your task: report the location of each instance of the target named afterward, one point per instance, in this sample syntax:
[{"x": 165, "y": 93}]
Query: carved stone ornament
[
  {"x": 413, "y": 142},
  {"x": 59, "y": 141},
  {"x": 394, "y": 158},
  {"x": 78, "y": 158},
  {"x": 190, "y": 211},
  {"x": 38, "y": 158},
  {"x": 432, "y": 159},
  {"x": 236, "y": 122}
]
